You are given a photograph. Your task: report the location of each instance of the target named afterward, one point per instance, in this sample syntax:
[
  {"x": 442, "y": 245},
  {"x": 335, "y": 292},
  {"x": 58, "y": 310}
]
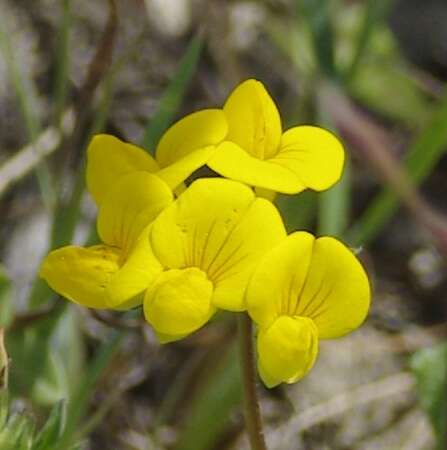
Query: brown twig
[
  {"x": 25, "y": 320},
  {"x": 115, "y": 322},
  {"x": 102, "y": 59},
  {"x": 97, "y": 69},
  {"x": 26, "y": 159}
]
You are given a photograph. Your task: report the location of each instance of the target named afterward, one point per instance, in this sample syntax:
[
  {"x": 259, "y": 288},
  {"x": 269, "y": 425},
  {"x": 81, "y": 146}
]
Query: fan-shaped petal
[
  {"x": 336, "y": 294},
  {"x": 132, "y": 204},
  {"x": 313, "y": 154},
  {"x": 108, "y": 159}
]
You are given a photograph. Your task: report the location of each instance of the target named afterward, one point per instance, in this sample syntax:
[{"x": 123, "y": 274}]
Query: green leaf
[
  {"x": 173, "y": 95},
  {"x": 429, "y": 365},
  {"x": 377, "y": 80},
  {"x": 52, "y": 430},
  {"x": 4, "y": 408},
  {"x": 16, "y": 433},
  {"x": 374, "y": 13}
]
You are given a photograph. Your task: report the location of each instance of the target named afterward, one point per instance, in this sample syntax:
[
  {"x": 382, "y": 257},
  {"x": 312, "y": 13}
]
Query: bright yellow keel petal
[
  {"x": 179, "y": 302},
  {"x": 287, "y": 350}
]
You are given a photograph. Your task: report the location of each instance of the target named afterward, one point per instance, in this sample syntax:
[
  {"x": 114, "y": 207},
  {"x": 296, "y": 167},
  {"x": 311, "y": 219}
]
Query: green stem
[{"x": 252, "y": 412}]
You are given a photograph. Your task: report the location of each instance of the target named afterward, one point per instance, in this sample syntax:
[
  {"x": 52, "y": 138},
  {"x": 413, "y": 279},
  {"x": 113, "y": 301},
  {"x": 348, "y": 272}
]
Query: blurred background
[{"x": 373, "y": 71}]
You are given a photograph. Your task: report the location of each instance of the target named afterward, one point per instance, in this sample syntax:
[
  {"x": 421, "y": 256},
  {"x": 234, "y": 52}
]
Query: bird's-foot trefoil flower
[
  {"x": 113, "y": 274},
  {"x": 257, "y": 152},
  {"x": 186, "y": 146},
  {"x": 303, "y": 290},
  {"x": 208, "y": 242}
]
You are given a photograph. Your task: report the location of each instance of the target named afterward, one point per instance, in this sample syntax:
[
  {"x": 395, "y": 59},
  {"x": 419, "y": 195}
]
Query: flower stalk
[
  {"x": 253, "y": 421},
  {"x": 3, "y": 362}
]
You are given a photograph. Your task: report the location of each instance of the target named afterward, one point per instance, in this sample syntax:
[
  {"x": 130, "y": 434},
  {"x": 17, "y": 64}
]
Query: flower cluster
[{"x": 185, "y": 252}]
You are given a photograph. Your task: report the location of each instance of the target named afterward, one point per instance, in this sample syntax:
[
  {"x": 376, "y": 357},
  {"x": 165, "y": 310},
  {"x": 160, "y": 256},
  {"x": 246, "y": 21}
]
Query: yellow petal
[
  {"x": 320, "y": 279},
  {"x": 108, "y": 159},
  {"x": 139, "y": 270},
  {"x": 179, "y": 302},
  {"x": 315, "y": 155},
  {"x": 253, "y": 120},
  {"x": 276, "y": 285},
  {"x": 133, "y": 203},
  {"x": 260, "y": 229},
  {"x": 177, "y": 172},
  {"x": 231, "y": 161},
  {"x": 220, "y": 227},
  {"x": 336, "y": 294},
  {"x": 287, "y": 350},
  {"x": 180, "y": 235},
  {"x": 81, "y": 274},
  {"x": 197, "y": 130}
]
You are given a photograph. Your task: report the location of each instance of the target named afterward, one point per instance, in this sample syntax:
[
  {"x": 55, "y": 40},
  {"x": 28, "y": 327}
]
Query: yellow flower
[
  {"x": 113, "y": 274},
  {"x": 258, "y": 153},
  {"x": 303, "y": 290},
  {"x": 208, "y": 242},
  {"x": 185, "y": 147}
]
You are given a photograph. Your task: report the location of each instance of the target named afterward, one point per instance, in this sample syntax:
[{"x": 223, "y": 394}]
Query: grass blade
[
  {"x": 26, "y": 94},
  {"x": 209, "y": 413},
  {"x": 63, "y": 61},
  {"x": 334, "y": 205},
  {"x": 173, "y": 95},
  {"x": 81, "y": 398},
  {"x": 319, "y": 19}
]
